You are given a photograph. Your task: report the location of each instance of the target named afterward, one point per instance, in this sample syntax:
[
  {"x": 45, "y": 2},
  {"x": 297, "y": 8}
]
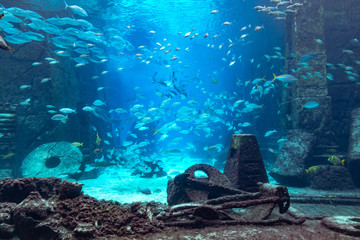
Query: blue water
[
  {"x": 205, "y": 75},
  {"x": 204, "y": 63}
]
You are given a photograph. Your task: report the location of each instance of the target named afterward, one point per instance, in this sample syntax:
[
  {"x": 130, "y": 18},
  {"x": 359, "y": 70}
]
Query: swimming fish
[
  {"x": 9, "y": 155},
  {"x": 77, "y": 144},
  {"x": 268, "y": 133},
  {"x": 98, "y": 139},
  {"x": 97, "y": 150},
  {"x": 310, "y": 105},
  {"x": 5, "y": 45},
  {"x": 336, "y": 161},
  {"x": 67, "y": 110},
  {"x": 2, "y": 15},
  {"x": 76, "y": 9},
  {"x": 312, "y": 169},
  {"x": 60, "y": 117},
  {"x": 287, "y": 78}
]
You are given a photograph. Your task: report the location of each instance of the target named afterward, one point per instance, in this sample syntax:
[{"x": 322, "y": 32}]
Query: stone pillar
[
  {"x": 353, "y": 161},
  {"x": 307, "y": 25},
  {"x": 244, "y": 165},
  {"x": 7, "y": 140}
]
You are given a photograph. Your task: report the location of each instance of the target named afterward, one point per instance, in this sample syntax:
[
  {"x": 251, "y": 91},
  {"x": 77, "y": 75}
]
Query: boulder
[
  {"x": 327, "y": 177},
  {"x": 55, "y": 159},
  {"x": 289, "y": 167}
]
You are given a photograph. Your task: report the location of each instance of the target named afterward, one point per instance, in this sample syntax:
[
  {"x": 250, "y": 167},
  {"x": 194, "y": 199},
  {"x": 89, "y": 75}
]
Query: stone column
[
  {"x": 353, "y": 161},
  {"x": 307, "y": 25}
]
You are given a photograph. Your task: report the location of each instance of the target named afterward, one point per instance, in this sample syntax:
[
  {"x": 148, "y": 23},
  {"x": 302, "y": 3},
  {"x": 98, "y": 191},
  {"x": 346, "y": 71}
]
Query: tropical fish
[
  {"x": 44, "y": 80},
  {"x": 24, "y": 86},
  {"x": 88, "y": 109},
  {"x": 319, "y": 41},
  {"x": 76, "y": 9},
  {"x": 98, "y": 103},
  {"x": 98, "y": 139},
  {"x": 287, "y": 78},
  {"x": 336, "y": 161},
  {"x": 310, "y": 105},
  {"x": 67, "y": 110},
  {"x": 77, "y": 144},
  {"x": 2, "y": 15},
  {"x": 60, "y": 117},
  {"x": 9, "y": 155},
  {"x": 258, "y": 28},
  {"x": 36, "y": 63},
  {"x": 97, "y": 150},
  {"x": 312, "y": 169},
  {"x": 307, "y": 57},
  {"x": 5, "y": 45},
  {"x": 268, "y": 133}
]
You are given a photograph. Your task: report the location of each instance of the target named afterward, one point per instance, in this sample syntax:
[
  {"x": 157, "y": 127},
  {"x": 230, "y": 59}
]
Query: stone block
[{"x": 244, "y": 165}]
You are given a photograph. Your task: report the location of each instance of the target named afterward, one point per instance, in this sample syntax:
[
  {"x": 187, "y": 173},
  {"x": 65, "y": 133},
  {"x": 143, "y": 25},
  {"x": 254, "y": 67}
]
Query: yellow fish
[
  {"x": 336, "y": 161},
  {"x": 98, "y": 139},
  {"x": 9, "y": 155},
  {"x": 312, "y": 169},
  {"x": 77, "y": 144}
]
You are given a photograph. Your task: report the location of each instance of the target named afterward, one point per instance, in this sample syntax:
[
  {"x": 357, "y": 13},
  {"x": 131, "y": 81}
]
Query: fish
[
  {"x": 44, "y": 80},
  {"x": 88, "y": 109},
  {"x": 214, "y": 11},
  {"x": 319, "y": 41},
  {"x": 77, "y": 144},
  {"x": 310, "y": 105},
  {"x": 287, "y": 78},
  {"x": 98, "y": 103},
  {"x": 76, "y": 9},
  {"x": 187, "y": 34},
  {"x": 307, "y": 57},
  {"x": 174, "y": 151},
  {"x": 312, "y": 169},
  {"x": 67, "y": 110},
  {"x": 24, "y": 86},
  {"x": 36, "y": 64},
  {"x": 9, "y": 155},
  {"x": 5, "y": 45},
  {"x": 268, "y": 133},
  {"x": 98, "y": 139},
  {"x": 97, "y": 150},
  {"x": 145, "y": 190},
  {"x": 2, "y": 15},
  {"x": 103, "y": 164},
  {"x": 336, "y": 161},
  {"x": 60, "y": 117}
]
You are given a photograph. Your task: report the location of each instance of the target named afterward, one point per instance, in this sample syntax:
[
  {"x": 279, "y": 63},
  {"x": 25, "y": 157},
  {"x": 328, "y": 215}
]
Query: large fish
[
  {"x": 76, "y": 9},
  {"x": 5, "y": 45}
]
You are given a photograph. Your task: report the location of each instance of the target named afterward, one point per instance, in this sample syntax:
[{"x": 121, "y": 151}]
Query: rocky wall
[
  {"x": 34, "y": 124},
  {"x": 341, "y": 26}
]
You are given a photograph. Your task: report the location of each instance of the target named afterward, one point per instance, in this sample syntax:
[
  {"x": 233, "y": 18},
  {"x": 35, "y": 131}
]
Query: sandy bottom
[{"x": 117, "y": 184}]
